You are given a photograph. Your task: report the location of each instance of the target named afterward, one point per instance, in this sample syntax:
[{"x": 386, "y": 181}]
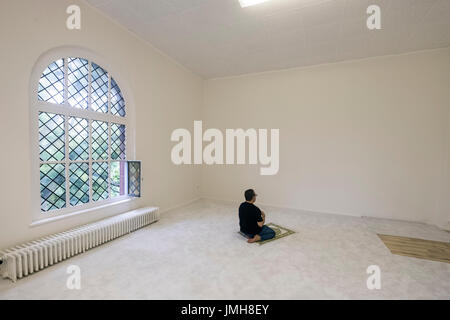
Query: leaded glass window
[
  {"x": 117, "y": 141},
  {"x": 89, "y": 86},
  {"x": 100, "y": 137},
  {"x": 82, "y": 147},
  {"x": 99, "y": 87},
  {"x": 78, "y": 80},
  {"x": 51, "y": 137},
  {"x": 100, "y": 180},
  {"x": 53, "y": 186},
  {"x": 134, "y": 178},
  {"x": 79, "y": 183},
  {"x": 117, "y": 102},
  {"x": 51, "y": 84},
  {"x": 78, "y": 138}
]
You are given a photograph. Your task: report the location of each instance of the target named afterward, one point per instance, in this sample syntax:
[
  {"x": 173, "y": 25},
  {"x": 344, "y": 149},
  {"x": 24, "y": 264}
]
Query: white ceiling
[{"x": 216, "y": 38}]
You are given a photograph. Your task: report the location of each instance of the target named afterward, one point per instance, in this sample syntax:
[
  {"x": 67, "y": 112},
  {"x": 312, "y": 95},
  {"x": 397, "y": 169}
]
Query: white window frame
[{"x": 66, "y": 110}]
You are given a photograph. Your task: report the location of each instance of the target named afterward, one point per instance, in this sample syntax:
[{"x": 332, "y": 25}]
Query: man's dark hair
[{"x": 249, "y": 194}]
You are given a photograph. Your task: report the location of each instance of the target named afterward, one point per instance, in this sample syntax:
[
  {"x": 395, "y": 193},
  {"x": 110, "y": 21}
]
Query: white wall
[
  {"x": 165, "y": 96},
  {"x": 443, "y": 212},
  {"x": 364, "y": 138}
]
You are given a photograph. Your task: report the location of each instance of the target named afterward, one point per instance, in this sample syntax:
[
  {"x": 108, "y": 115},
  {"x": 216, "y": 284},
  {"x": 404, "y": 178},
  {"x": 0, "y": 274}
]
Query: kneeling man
[{"x": 252, "y": 219}]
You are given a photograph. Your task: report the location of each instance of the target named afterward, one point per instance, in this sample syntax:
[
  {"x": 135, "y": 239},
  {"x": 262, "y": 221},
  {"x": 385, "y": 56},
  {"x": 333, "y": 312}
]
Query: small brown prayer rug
[{"x": 280, "y": 232}]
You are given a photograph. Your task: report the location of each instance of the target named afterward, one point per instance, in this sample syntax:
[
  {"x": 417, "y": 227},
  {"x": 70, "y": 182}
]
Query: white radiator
[{"x": 33, "y": 256}]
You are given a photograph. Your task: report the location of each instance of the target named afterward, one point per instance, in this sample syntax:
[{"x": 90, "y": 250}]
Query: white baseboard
[
  {"x": 237, "y": 202},
  {"x": 180, "y": 205},
  {"x": 445, "y": 227},
  {"x": 227, "y": 201}
]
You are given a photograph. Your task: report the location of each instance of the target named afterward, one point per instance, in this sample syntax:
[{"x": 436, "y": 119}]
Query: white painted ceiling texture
[{"x": 217, "y": 38}]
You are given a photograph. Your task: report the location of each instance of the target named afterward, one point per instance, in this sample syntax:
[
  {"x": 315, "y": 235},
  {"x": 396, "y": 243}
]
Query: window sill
[{"x": 76, "y": 213}]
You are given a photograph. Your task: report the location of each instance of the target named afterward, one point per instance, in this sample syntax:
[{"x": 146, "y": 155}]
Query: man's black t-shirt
[{"x": 249, "y": 216}]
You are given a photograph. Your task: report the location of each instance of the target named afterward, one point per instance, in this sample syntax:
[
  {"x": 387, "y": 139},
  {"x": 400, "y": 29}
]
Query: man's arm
[{"x": 261, "y": 223}]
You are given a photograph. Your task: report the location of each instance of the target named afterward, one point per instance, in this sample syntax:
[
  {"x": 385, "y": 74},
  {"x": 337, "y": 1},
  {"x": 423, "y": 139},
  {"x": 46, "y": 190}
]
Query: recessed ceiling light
[{"x": 248, "y": 3}]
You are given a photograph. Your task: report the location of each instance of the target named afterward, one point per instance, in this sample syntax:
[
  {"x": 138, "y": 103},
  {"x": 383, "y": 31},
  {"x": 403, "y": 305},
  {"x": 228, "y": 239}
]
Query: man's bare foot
[{"x": 254, "y": 239}]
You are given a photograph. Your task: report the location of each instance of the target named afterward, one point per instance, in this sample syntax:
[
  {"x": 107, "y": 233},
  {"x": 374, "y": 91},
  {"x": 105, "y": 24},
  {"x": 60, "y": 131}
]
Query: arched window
[{"x": 82, "y": 136}]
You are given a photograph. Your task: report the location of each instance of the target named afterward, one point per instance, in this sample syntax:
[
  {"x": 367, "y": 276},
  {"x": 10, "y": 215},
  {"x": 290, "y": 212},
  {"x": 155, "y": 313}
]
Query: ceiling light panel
[{"x": 248, "y": 3}]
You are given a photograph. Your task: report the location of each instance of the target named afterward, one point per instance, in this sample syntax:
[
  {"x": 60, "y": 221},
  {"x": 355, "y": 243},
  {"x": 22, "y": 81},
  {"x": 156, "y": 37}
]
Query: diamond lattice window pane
[
  {"x": 78, "y": 82},
  {"x": 99, "y": 181},
  {"x": 99, "y": 140},
  {"x": 99, "y": 89},
  {"x": 51, "y": 137},
  {"x": 134, "y": 178},
  {"x": 51, "y": 83},
  {"x": 117, "y": 141},
  {"x": 79, "y": 183},
  {"x": 117, "y": 101},
  {"x": 78, "y": 139},
  {"x": 53, "y": 187}
]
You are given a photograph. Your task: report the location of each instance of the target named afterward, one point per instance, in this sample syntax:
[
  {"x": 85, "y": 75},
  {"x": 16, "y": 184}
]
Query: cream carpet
[{"x": 195, "y": 252}]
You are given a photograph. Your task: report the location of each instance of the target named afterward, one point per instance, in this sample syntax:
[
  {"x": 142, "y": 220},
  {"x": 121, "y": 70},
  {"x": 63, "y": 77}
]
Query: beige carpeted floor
[{"x": 195, "y": 252}]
